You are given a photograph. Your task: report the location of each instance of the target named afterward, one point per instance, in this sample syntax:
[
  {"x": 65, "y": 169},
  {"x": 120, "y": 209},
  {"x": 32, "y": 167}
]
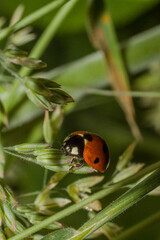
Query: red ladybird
[{"x": 88, "y": 147}]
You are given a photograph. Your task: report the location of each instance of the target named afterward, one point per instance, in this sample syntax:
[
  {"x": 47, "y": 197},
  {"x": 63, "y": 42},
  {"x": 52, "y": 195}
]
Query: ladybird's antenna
[{"x": 57, "y": 140}]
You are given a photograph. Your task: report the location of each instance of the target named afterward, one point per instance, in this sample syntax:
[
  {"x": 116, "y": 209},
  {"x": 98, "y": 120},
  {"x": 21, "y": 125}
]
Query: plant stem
[
  {"x": 119, "y": 205},
  {"x": 143, "y": 94},
  {"x": 75, "y": 207},
  {"x": 139, "y": 227},
  {"x": 30, "y": 194}
]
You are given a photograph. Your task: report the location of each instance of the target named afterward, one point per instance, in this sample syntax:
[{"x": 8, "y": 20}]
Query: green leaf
[
  {"x": 127, "y": 172},
  {"x": 47, "y": 128},
  {"x": 40, "y": 101},
  {"x": 9, "y": 217},
  {"x": 2, "y": 194},
  {"x": 41, "y": 86},
  {"x": 126, "y": 157},
  {"x": 6, "y": 194},
  {"x": 36, "y": 218},
  {"x": 64, "y": 234},
  {"x": 79, "y": 190},
  {"x": 27, "y": 147},
  {"x": 60, "y": 97},
  {"x": 28, "y": 62},
  {"x": 22, "y": 36},
  {"x": 17, "y": 15},
  {"x": 110, "y": 229},
  {"x": 43, "y": 82},
  {"x": 14, "y": 51}
]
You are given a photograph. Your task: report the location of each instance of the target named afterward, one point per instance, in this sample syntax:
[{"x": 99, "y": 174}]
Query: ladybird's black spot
[
  {"x": 105, "y": 148},
  {"x": 88, "y": 137},
  {"x": 96, "y": 160}
]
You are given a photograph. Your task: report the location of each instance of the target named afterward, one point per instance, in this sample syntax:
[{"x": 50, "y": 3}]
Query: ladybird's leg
[
  {"x": 76, "y": 164},
  {"x": 73, "y": 161}
]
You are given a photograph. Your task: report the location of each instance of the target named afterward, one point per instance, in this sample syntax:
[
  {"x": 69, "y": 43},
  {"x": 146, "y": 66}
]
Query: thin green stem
[
  {"x": 124, "y": 93},
  {"x": 141, "y": 94},
  {"x": 139, "y": 227},
  {"x": 81, "y": 204},
  {"x": 30, "y": 159},
  {"x": 32, "y": 17},
  {"x": 125, "y": 201},
  {"x": 24, "y": 195}
]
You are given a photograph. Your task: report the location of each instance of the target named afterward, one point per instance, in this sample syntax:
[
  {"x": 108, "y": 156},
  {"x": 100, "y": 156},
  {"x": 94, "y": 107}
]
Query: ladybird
[{"x": 88, "y": 147}]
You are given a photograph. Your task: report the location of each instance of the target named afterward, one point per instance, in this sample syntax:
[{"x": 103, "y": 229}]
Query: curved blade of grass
[
  {"x": 119, "y": 205},
  {"x": 75, "y": 207},
  {"x": 103, "y": 36}
]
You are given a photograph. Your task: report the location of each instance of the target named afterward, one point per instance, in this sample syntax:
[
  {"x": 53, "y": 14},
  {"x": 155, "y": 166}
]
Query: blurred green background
[{"x": 136, "y": 23}]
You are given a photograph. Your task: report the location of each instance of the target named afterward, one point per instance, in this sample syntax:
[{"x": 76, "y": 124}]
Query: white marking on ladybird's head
[
  {"x": 68, "y": 148},
  {"x": 85, "y": 141},
  {"x": 80, "y": 134},
  {"x": 74, "y": 151},
  {"x": 65, "y": 140}
]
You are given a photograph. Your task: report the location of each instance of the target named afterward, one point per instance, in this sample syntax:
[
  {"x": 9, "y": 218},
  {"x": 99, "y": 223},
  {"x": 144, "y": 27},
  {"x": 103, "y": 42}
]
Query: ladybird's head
[
  {"x": 73, "y": 145},
  {"x": 66, "y": 148}
]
